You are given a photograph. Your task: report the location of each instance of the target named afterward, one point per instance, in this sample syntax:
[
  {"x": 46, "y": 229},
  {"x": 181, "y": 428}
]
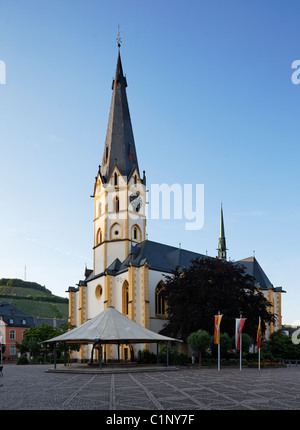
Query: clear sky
[{"x": 211, "y": 100}]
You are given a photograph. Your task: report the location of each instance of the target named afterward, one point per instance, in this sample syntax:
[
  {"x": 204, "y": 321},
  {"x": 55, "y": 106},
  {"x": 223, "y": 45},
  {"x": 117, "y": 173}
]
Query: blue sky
[{"x": 211, "y": 102}]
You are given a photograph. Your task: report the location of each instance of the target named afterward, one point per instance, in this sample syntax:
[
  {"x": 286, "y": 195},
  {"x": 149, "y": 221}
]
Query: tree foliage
[
  {"x": 14, "y": 282},
  {"x": 281, "y": 345},
  {"x": 200, "y": 341},
  {"x": 195, "y": 295},
  {"x": 35, "y": 335}
]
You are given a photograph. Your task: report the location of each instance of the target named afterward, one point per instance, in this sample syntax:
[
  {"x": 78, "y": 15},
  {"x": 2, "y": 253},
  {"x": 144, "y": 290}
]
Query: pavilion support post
[
  {"x": 167, "y": 354},
  {"x": 100, "y": 356},
  {"x": 54, "y": 355},
  {"x": 157, "y": 358},
  {"x": 131, "y": 353},
  {"x": 92, "y": 354},
  {"x": 118, "y": 352},
  {"x": 65, "y": 363}
]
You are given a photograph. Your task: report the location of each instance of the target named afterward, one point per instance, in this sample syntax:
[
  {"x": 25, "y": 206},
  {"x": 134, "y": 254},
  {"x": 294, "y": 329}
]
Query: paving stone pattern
[{"x": 31, "y": 387}]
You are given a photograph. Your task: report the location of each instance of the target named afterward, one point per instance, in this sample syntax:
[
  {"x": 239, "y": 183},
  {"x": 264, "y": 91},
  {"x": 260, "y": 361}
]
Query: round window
[{"x": 98, "y": 292}]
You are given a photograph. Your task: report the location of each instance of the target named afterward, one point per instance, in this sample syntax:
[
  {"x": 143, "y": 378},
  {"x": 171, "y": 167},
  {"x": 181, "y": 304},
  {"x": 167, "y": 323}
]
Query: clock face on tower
[{"x": 136, "y": 201}]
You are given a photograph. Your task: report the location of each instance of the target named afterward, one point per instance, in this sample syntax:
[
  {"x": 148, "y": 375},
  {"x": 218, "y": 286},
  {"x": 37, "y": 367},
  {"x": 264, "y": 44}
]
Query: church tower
[
  {"x": 222, "y": 254},
  {"x": 119, "y": 191}
]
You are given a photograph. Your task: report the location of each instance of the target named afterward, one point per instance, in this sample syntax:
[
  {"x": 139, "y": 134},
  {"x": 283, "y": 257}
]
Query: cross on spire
[{"x": 118, "y": 38}]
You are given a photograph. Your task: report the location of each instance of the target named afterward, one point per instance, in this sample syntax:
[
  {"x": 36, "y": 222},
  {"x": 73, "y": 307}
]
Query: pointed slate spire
[
  {"x": 222, "y": 254},
  {"x": 119, "y": 148}
]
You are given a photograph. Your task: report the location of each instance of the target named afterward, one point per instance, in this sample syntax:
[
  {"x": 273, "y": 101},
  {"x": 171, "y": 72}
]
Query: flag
[
  {"x": 258, "y": 337},
  {"x": 239, "y": 324},
  {"x": 217, "y": 328}
]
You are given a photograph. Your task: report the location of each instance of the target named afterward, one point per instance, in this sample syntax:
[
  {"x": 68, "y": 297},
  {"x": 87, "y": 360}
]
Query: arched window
[
  {"x": 160, "y": 305},
  {"x": 116, "y": 179},
  {"x": 99, "y": 236},
  {"x": 135, "y": 179},
  {"x": 125, "y": 298},
  {"x": 136, "y": 233},
  {"x": 117, "y": 204}
]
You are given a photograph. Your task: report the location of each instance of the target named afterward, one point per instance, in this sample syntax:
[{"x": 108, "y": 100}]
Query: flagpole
[
  {"x": 219, "y": 350},
  {"x": 259, "y": 346},
  {"x": 241, "y": 347}
]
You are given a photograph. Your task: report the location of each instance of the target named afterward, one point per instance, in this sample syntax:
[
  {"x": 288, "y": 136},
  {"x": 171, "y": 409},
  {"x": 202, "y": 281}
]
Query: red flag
[
  {"x": 239, "y": 324},
  {"x": 217, "y": 329},
  {"x": 258, "y": 337}
]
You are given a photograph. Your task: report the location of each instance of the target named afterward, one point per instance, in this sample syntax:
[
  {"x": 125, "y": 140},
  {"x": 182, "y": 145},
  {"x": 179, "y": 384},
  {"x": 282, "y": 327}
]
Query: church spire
[
  {"x": 119, "y": 148},
  {"x": 222, "y": 255}
]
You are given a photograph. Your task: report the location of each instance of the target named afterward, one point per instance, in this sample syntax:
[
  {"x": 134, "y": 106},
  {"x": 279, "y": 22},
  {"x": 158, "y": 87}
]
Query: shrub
[
  {"x": 22, "y": 360},
  {"x": 146, "y": 357},
  {"x": 175, "y": 358}
]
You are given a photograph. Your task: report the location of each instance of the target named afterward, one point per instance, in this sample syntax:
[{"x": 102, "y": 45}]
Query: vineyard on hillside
[{"x": 33, "y": 299}]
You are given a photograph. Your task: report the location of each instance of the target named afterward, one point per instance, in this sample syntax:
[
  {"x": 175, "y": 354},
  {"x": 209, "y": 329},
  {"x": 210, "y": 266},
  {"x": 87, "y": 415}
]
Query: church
[{"x": 128, "y": 268}]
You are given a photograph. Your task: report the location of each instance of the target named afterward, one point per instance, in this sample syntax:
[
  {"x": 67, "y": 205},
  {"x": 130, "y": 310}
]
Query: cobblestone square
[{"x": 31, "y": 387}]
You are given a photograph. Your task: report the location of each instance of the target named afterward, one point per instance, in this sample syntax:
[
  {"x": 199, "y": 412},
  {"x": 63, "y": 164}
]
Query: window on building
[
  {"x": 160, "y": 305},
  {"x": 12, "y": 334},
  {"x": 98, "y": 292},
  {"x": 12, "y": 350},
  {"x": 11, "y": 321},
  {"x": 116, "y": 179},
  {"x": 117, "y": 204},
  {"x": 136, "y": 233},
  {"x": 125, "y": 298},
  {"x": 99, "y": 236}
]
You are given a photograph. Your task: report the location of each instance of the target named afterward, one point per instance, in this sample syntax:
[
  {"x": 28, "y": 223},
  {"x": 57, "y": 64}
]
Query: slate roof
[
  {"x": 161, "y": 257},
  {"x": 13, "y": 317},
  {"x": 38, "y": 322},
  {"x": 253, "y": 268},
  {"x": 166, "y": 258}
]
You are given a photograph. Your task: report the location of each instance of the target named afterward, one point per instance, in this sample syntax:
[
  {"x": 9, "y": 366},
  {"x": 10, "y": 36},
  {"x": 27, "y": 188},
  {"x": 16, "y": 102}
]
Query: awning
[{"x": 110, "y": 326}]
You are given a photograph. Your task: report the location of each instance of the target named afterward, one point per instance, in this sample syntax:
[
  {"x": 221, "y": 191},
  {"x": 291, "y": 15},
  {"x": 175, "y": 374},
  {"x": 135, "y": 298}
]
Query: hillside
[{"x": 33, "y": 299}]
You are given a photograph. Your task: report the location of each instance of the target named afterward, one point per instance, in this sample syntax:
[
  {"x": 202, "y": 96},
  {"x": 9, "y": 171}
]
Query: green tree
[
  {"x": 246, "y": 343},
  {"x": 35, "y": 335},
  {"x": 195, "y": 295},
  {"x": 225, "y": 344},
  {"x": 280, "y": 345},
  {"x": 199, "y": 341}
]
